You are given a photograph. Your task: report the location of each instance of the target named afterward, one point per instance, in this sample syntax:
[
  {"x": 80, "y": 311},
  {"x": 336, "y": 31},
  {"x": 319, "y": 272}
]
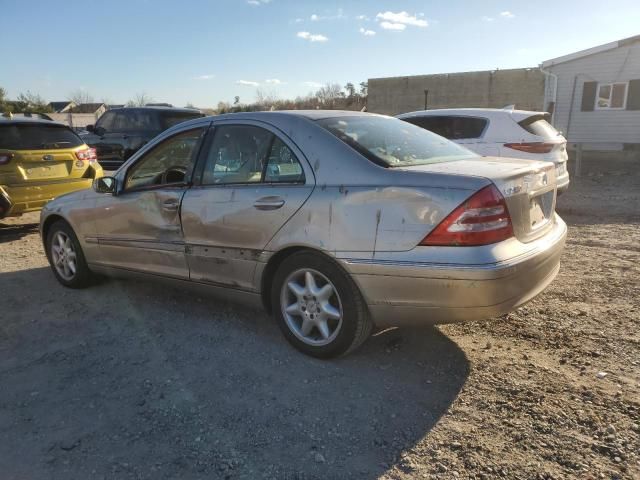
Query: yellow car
[{"x": 40, "y": 160}]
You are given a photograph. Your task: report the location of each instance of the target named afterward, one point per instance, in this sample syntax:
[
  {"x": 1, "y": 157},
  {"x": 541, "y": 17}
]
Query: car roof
[
  {"x": 34, "y": 120},
  {"x": 473, "y": 112},
  {"x": 276, "y": 117},
  {"x": 157, "y": 108}
]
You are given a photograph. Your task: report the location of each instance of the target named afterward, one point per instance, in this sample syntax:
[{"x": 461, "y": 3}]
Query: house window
[{"x": 611, "y": 96}]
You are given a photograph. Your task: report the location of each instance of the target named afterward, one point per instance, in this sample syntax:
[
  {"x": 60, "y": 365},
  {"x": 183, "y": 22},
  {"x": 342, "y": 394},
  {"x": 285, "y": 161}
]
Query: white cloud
[
  {"x": 312, "y": 84},
  {"x": 362, "y": 17},
  {"x": 487, "y": 19},
  {"x": 207, "y": 76},
  {"x": 257, "y": 3},
  {"x": 298, "y": 20},
  {"x": 247, "y": 83},
  {"x": 507, "y": 14},
  {"x": 393, "y": 26},
  {"x": 367, "y": 33},
  {"x": 312, "y": 37},
  {"x": 314, "y": 18},
  {"x": 401, "y": 18},
  {"x": 273, "y": 81}
]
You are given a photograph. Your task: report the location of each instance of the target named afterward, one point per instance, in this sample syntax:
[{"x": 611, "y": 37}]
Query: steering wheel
[{"x": 173, "y": 174}]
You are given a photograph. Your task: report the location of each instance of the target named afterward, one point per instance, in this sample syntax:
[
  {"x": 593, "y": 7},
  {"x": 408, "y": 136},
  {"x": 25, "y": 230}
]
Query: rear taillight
[
  {"x": 5, "y": 158},
  {"x": 531, "y": 147},
  {"x": 87, "y": 155},
  {"x": 482, "y": 219}
]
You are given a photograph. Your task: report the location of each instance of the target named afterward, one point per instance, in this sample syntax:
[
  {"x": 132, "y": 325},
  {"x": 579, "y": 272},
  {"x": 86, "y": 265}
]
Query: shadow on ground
[
  {"x": 10, "y": 232},
  {"x": 131, "y": 380}
]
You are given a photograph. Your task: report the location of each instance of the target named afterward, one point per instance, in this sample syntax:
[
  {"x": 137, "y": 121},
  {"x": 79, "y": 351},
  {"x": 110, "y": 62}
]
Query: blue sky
[{"x": 204, "y": 51}]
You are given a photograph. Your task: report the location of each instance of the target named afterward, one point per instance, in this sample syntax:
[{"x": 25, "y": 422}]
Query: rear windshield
[
  {"x": 390, "y": 142},
  {"x": 538, "y": 125},
  {"x": 170, "y": 119},
  {"x": 37, "y": 137}
]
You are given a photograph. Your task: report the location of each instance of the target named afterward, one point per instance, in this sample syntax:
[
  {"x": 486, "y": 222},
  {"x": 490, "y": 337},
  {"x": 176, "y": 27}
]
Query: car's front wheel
[
  {"x": 318, "y": 306},
  {"x": 66, "y": 257}
]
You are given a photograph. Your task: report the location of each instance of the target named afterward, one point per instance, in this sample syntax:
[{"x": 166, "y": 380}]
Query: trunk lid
[
  {"x": 39, "y": 165},
  {"x": 529, "y": 189}
]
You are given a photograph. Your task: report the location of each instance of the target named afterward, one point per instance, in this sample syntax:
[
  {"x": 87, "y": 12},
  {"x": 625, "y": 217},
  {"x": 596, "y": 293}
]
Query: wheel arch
[
  {"x": 276, "y": 260},
  {"x": 50, "y": 220}
]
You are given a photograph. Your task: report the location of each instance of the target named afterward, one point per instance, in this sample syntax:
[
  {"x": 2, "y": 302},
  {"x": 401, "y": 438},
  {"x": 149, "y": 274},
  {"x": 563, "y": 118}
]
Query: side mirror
[
  {"x": 90, "y": 128},
  {"x": 105, "y": 185}
]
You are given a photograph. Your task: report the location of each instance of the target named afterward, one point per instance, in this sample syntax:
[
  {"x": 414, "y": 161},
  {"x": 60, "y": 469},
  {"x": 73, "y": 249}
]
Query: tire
[
  {"x": 307, "y": 315},
  {"x": 82, "y": 277}
]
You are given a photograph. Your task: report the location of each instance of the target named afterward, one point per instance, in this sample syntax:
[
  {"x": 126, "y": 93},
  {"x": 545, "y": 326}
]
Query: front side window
[
  {"x": 237, "y": 155},
  {"x": 611, "y": 96},
  {"x": 390, "y": 142},
  {"x": 106, "y": 121},
  {"x": 168, "y": 163}
]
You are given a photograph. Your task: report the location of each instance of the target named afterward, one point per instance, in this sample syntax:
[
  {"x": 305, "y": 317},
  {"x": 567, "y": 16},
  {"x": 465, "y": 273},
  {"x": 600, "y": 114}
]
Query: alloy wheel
[
  {"x": 63, "y": 255},
  {"x": 311, "y": 307}
]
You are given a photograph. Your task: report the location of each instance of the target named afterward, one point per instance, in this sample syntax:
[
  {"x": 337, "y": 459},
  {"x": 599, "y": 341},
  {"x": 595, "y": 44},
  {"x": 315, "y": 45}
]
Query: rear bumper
[
  {"x": 32, "y": 197},
  {"x": 401, "y": 293}
]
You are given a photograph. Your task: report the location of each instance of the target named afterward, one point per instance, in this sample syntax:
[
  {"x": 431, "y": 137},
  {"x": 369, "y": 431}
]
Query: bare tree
[
  {"x": 266, "y": 98},
  {"x": 80, "y": 96},
  {"x": 140, "y": 100},
  {"x": 328, "y": 94},
  {"x": 31, "y": 102}
]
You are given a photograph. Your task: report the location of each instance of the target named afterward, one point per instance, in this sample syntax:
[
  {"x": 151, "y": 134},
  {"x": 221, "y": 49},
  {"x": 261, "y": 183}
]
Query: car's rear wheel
[
  {"x": 66, "y": 257},
  {"x": 318, "y": 306}
]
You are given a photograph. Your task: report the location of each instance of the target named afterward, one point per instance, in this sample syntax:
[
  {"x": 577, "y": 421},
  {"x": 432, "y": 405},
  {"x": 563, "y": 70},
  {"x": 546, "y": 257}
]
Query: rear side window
[
  {"x": 538, "y": 125},
  {"x": 453, "y": 128},
  {"x": 135, "y": 121},
  {"x": 37, "y": 137},
  {"x": 169, "y": 119}
]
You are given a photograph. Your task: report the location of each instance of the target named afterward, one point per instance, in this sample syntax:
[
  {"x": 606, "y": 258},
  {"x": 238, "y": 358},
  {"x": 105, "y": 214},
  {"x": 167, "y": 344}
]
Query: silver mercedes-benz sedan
[{"x": 335, "y": 222}]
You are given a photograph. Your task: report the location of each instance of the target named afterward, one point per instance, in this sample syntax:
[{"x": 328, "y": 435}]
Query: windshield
[
  {"x": 28, "y": 136},
  {"x": 390, "y": 142}
]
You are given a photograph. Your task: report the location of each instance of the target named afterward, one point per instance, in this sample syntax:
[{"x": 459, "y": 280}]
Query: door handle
[
  {"x": 170, "y": 205},
  {"x": 269, "y": 203}
]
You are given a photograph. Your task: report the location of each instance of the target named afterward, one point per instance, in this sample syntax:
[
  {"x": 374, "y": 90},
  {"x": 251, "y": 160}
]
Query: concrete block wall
[{"x": 523, "y": 87}]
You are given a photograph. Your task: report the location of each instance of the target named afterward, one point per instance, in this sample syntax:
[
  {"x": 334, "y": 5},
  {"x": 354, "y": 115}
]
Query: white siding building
[{"x": 595, "y": 95}]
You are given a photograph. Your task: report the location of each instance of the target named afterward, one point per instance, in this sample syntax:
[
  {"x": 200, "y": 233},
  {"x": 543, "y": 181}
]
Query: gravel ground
[{"x": 132, "y": 380}]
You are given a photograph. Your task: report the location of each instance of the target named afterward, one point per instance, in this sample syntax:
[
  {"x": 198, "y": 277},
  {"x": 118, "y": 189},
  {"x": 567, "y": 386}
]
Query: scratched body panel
[{"x": 369, "y": 219}]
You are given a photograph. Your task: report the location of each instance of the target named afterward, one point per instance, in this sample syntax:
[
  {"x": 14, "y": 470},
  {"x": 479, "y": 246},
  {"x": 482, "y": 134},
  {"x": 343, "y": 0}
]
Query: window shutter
[
  {"x": 589, "y": 96},
  {"x": 633, "y": 95}
]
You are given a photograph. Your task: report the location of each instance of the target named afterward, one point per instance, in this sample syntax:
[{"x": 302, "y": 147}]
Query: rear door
[
  {"x": 41, "y": 152},
  {"x": 252, "y": 180}
]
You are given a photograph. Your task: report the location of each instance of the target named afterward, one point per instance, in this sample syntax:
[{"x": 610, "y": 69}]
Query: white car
[{"x": 499, "y": 133}]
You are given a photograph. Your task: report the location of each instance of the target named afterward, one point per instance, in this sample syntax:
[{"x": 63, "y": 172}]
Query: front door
[
  {"x": 139, "y": 229},
  {"x": 253, "y": 179}
]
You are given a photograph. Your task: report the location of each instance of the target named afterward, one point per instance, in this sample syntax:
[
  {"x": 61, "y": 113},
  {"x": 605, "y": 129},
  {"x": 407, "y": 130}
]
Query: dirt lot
[{"x": 130, "y": 380}]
